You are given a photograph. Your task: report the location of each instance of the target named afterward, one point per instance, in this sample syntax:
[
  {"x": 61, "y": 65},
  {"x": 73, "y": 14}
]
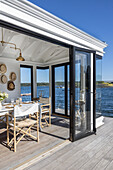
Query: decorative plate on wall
[
  {"x": 12, "y": 76},
  {"x": 10, "y": 85},
  {"x": 3, "y": 79},
  {"x": 3, "y": 68}
]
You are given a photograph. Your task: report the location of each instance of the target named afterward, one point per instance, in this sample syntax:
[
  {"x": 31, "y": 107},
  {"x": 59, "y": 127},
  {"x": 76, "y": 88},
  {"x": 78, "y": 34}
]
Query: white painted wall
[
  {"x": 14, "y": 66},
  {"x": 11, "y": 67}
]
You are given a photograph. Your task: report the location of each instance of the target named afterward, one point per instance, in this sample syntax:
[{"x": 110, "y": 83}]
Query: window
[
  {"x": 26, "y": 74},
  {"x": 42, "y": 82}
]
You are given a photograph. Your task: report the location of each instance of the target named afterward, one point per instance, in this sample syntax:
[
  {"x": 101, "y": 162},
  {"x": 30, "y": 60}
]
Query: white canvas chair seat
[{"x": 17, "y": 125}]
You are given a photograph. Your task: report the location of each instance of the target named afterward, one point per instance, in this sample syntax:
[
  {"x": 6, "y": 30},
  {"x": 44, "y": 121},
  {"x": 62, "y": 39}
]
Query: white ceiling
[{"x": 33, "y": 49}]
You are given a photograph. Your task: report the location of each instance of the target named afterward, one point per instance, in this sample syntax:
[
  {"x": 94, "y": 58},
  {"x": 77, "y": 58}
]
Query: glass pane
[
  {"x": 98, "y": 85},
  {"x": 59, "y": 90},
  {"x": 82, "y": 93},
  {"x": 43, "y": 82},
  {"x": 25, "y": 83},
  {"x": 68, "y": 69}
]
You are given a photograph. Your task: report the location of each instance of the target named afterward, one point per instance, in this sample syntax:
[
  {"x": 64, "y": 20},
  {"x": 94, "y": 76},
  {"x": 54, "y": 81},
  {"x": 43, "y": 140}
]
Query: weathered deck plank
[
  {"x": 93, "y": 152},
  {"x": 50, "y": 137}
]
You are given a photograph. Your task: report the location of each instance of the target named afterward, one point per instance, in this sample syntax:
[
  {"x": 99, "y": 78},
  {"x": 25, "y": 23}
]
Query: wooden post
[
  {"x": 37, "y": 128},
  {"x": 14, "y": 134},
  {"x": 50, "y": 115},
  {"x": 29, "y": 118},
  {"x": 7, "y": 120},
  {"x": 50, "y": 86}
]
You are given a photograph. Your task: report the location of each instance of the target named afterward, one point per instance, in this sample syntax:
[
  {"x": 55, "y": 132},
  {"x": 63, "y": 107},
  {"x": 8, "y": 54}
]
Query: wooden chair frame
[
  {"x": 45, "y": 113},
  {"x": 2, "y": 118},
  {"x": 17, "y": 130}
]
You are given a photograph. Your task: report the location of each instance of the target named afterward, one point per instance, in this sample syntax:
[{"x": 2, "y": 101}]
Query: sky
[
  {"x": 25, "y": 74},
  {"x": 95, "y": 17},
  {"x": 42, "y": 75}
]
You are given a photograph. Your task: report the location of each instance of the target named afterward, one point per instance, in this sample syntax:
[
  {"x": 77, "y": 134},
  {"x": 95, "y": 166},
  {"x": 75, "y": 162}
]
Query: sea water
[{"x": 106, "y": 97}]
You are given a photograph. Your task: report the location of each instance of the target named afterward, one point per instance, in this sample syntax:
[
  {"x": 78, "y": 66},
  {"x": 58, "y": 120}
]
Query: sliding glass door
[
  {"x": 60, "y": 89},
  {"x": 82, "y": 93}
]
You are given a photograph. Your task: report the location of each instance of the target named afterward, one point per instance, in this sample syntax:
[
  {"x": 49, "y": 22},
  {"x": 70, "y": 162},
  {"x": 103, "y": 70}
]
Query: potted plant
[{"x": 2, "y": 97}]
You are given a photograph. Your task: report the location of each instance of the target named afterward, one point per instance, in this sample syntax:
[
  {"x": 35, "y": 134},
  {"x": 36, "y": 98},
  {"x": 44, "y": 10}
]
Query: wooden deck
[
  {"x": 94, "y": 152},
  {"x": 27, "y": 148}
]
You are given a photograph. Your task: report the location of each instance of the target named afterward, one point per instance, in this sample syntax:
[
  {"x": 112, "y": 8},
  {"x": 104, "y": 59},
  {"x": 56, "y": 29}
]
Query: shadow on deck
[
  {"x": 28, "y": 148},
  {"x": 94, "y": 152}
]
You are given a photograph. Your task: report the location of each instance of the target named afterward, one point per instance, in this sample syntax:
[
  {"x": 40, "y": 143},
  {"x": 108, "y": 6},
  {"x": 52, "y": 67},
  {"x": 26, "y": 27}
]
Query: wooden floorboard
[
  {"x": 27, "y": 149},
  {"x": 91, "y": 153}
]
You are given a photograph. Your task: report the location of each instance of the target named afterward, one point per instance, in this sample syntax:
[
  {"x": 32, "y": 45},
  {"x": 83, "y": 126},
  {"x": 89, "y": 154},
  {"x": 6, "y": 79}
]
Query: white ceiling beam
[
  {"x": 47, "y": 50},
  {"x": 57, "y": 54},
  {"x": 36, "y": 51}
]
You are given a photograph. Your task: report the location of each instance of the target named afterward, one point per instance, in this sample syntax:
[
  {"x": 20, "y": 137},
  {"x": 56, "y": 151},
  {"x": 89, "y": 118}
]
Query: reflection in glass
[
  {"x": 43, "y": 82},
  {"x": 98, "y": 85},
  {"x": 25, "y": 83},
  {"x": 82, "y": 93},
  {"x": 59, "y": 90},
  {"x": 68, "y": 79}
]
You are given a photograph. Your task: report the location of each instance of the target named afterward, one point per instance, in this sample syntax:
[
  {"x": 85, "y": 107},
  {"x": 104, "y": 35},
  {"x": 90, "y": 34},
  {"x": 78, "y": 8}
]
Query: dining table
[{"x": 8, "y": 108}]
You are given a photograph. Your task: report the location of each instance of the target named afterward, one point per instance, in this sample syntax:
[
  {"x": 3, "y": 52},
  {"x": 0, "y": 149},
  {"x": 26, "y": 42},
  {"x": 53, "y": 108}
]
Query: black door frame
[
  {"x": 66, "y": 88},
  {"x": 72, "y": 93},
  {"x": 72, "y": 51}
]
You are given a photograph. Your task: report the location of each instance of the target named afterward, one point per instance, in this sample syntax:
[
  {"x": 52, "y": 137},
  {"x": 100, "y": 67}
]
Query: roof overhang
[{"x": 31, "y": 17}]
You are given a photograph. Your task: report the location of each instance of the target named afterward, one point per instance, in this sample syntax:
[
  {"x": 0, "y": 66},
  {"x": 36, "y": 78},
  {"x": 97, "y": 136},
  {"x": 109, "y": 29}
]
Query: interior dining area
[
  {"x": 37, "y": 77},
  {"x": 28, "y": 124}
]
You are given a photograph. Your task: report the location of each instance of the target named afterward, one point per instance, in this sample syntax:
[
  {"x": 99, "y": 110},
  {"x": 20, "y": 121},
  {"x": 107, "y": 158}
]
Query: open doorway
[
  {"x": 59, "y": 128},
  {"x": 40, "y": 55}
]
